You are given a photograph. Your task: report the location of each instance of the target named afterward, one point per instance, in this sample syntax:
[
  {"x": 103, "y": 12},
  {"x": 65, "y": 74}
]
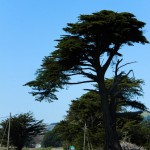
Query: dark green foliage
[
  {"x": 87, "y": 110},
  {"x": 79, "y": 51},
  {"x": 84, "y": 110},
  {"x": 136, "y": 131},
  {"x": 23, "y": 128},
  {"x": 126, "y": 92},
  {"x": 51, "y": 139}
]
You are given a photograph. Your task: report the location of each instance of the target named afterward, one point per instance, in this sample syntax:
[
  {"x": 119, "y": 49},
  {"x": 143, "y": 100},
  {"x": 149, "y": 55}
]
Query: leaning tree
[{"x": 88, "y": 49}]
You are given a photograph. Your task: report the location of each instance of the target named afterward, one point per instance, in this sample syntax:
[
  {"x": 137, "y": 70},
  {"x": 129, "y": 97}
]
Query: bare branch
[
  {"x": 130, "y": 72},
  {"x": 127, "y": 64},
  {"x": 118, "y": 78},
  {"x": 117, "y": 64}
]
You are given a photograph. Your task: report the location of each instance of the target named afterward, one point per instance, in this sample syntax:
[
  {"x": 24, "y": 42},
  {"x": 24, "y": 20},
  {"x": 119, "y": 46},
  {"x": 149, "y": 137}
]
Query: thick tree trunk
[
  {"x": 111, "y": 141},
  {"x": 19, "y": 147},
  {"x": 111, "y": 137}
]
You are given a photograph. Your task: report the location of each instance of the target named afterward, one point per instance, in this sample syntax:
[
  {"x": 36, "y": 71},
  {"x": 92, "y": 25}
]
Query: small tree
[
  {"x": 83, "y": 52},
  {"x": 84, "y": 111},
  {"x": 23, "y": 128}
]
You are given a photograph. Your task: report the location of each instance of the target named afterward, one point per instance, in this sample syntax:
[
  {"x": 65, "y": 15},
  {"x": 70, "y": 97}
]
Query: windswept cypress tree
[{"x": 82, "y": 52}]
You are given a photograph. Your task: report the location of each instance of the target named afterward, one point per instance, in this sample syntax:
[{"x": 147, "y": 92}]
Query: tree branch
[
  {"x": 114, "y": 52},
  {"x": 90, "y": 69},
  {"x": 91, "y": 90},
  {"x": 88, "y": 59},
  {"x": 84, "y": 64},
  {"x": 73, "y": 74},
  {"x": 89, "y": 75},
  {"x": 117, "y": 64},
  {"x": 126, "y": 64},
  {"x": 132, "y": 114},
  {"x": 79, "y": 82}
]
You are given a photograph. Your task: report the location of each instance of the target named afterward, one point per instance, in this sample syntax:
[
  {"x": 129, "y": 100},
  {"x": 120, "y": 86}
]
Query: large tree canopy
[{"x": 82, "y": 52}]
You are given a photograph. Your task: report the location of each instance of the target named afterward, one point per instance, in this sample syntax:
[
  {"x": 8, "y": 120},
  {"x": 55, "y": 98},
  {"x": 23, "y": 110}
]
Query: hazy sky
[{"x": 28, "y": 29}]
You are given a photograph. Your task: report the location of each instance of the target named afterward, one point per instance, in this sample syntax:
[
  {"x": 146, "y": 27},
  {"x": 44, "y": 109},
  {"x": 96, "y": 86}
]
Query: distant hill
[
  {"x": 51, "y": 126},
  {"x": 38, "y": 138},
  {"x": 146, "y": 115}
]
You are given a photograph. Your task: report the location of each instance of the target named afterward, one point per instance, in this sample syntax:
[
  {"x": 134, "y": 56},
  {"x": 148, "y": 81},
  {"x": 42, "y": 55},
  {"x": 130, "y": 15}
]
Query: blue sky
[{"x": 28, "y": 29}]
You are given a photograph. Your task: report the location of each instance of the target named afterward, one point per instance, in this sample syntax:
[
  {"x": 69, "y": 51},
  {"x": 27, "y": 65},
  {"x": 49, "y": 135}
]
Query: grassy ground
[{"x": 48, "y": 148}]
